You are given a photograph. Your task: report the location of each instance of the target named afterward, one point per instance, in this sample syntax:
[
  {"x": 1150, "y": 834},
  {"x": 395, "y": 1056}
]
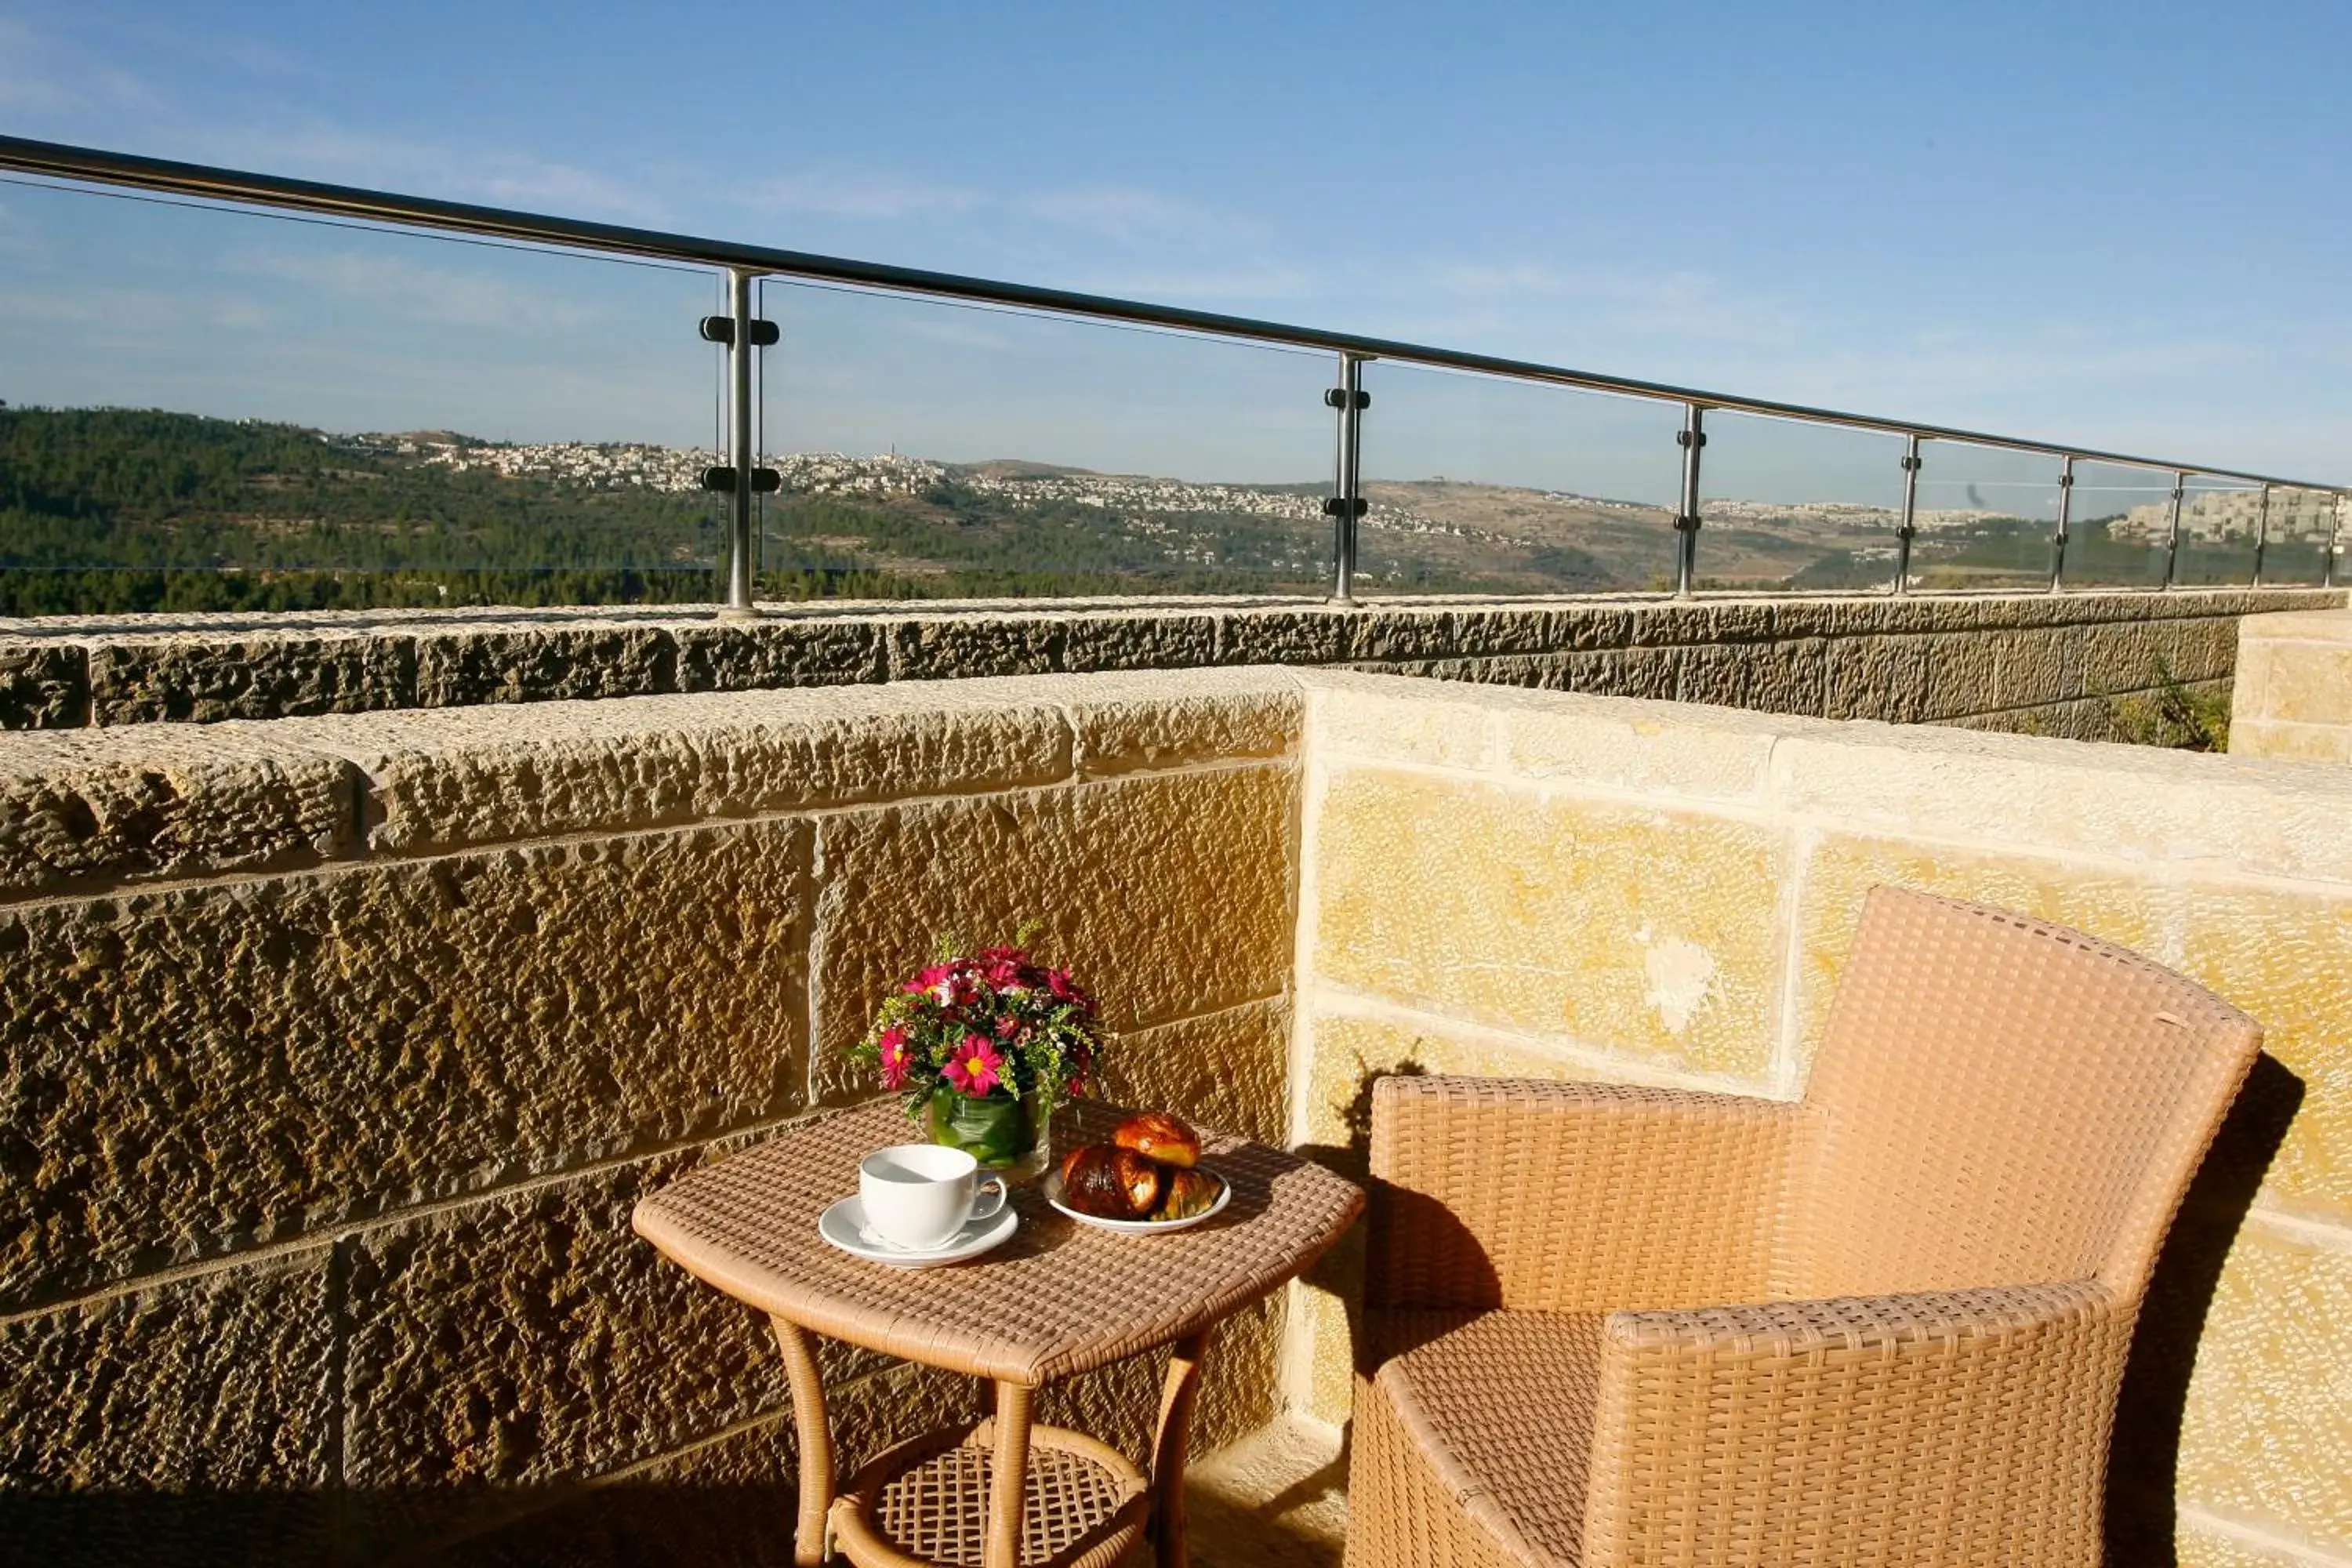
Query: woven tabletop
[{"x": 1058, "y": 1297}]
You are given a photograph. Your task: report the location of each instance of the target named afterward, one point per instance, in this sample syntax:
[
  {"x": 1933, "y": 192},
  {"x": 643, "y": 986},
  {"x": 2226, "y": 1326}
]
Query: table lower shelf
[{"x": 924, "y": 1502}]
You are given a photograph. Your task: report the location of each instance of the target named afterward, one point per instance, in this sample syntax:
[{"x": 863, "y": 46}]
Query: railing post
[
  {"x": 2261, "y": 537},
  {"x": 2334, "y": 536},
  {"x": 1909, "y": 529},
  {"x": 1692, "y": 436},
  {"x": 2066, "y": 518},
  {"x": 1347, "y": 505},
  {"x": 742, "y": 478},
  {"x": 2172, "y": 538}
]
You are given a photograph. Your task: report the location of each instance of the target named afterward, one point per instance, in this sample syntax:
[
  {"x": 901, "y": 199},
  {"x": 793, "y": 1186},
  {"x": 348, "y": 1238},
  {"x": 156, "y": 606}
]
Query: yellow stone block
[
  {"x": 2309, "y": 683},
  {"x": 2267, "y": 1436},
  {"x": 2195, "y": 1548},
  {"x": 1647, "y": 931},
  {"x": 2280, "y": 955}
]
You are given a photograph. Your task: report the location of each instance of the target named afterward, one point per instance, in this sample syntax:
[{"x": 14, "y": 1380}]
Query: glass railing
[
  {"x": 216, "y": 408},
  {"x": 1787, "y": 505},
  {"x": 227, "y": 390},
  {"x": 928, "y": 448},
  {"x": 1475, "y": 484}
]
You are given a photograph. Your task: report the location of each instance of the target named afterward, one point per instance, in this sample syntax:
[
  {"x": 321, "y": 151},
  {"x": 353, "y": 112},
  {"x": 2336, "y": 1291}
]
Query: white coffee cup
[{"x": 917, "y": 1196}]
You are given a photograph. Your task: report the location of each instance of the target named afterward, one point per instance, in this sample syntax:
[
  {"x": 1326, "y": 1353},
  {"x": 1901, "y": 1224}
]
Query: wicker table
[{"x": 1058, "y": 1297}]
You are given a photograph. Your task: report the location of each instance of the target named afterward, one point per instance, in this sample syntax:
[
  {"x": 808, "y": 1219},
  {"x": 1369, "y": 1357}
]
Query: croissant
[
  {"x": 1188, "y": 1193},
  {"x": 1110, "y": 1182},
  {"x": 1160, "y": 1136}
]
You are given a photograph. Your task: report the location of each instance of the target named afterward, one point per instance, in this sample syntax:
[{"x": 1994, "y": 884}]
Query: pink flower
[
  {"x": 1007, "y": 1027},
  {"x": 974, "y": 1068},
  {"x": 896, "y": 1059}
]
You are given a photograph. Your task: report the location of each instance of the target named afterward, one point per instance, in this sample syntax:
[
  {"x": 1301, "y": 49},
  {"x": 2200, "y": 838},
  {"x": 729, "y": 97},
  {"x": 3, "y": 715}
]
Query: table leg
[
  {"x": 809, "y": 1536},
  {"x": 1008, "y": 1467},
  {"x": 1168, "y": 1544}
]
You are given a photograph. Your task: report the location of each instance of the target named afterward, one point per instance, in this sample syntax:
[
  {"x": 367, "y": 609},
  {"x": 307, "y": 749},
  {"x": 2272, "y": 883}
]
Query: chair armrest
[
  {"x": 1955, "y": 1427},
  {"x": 1569, "y": 1197}
]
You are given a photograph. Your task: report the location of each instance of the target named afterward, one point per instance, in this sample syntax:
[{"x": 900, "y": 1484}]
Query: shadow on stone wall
[
  {"x": 622, "y": 1525},
  {"x": 2147, "y": 1446}
]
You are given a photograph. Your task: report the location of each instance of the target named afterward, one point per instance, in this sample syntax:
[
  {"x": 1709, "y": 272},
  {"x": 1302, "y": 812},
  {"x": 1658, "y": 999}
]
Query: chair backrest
[{"x": 1997, "y": 1101}]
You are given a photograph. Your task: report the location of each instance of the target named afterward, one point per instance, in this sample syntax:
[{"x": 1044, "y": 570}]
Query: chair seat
[{"x": 1494, "y": 1410}]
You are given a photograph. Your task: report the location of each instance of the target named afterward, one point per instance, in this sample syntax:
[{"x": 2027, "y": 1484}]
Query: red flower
[
  {"x": 896, "y": 1059},
  {"x": 1007, "y": 1027},
  {"x": 975, "y": 1069}
]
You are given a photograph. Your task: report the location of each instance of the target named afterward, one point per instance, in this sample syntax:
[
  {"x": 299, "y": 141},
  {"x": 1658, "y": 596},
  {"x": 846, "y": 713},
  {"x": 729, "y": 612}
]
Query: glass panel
[
  {"x": 214, "y": 408},
  {"x": 1480, "y": 484},
  {"x": 938, "y": 451},
  {"x": 2122, "y": 517},
  {"x": 1985, "y": 516},
  {"x": 2297, "y": 551},
  {"x": 2219, "y": 518},
  {"x": 1793, "y": 505}
]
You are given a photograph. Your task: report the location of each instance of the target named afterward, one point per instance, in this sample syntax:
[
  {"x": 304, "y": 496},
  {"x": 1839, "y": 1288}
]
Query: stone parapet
[
  {"x": 1868, "y": 655},
  {"x": 2292, "y": 698}
]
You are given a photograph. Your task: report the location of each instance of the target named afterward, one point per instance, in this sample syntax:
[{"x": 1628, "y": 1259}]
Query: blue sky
[{"x": 2127, "y": 227}]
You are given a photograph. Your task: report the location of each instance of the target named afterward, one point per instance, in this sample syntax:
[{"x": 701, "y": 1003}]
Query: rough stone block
[
  {"x": 1882, "y": 677},
  {"x": 1646, "y": 749},
  {"x": 806, "y": 650},
  {"x": 727, "y": 1503},
  {"x": 1393, "y": 633},
  {"x": 2130, "y": 804},
  {"x": 1676, "y": 622},
  {"x": 44, "y": 686},
  {"x": 532, "y": 1336},
  {"x": 446, "y": 779},
  {"x": 1404, "y": 721},
  {"x": 2120, "y": 656},
  {"x": 1285, "y": 636},
  {"x": 192, "y": 1069},
  {"x": 471, "y": 665},
  {"x": 1157, "y": 639},
  {"x": 204, "y": 678},
  {"x": 2197, "y": 1548},
  {"x": 1961, "y": 674},
  {"x": 1649, "y": 672},
  {"x": 88, "y": 806},
  {"x": 1483, "y": 630},
  {"x": 1644, "y": 933},
  {"x": 1128, "y": 725},
  {"x": 1229, "y": 1070},
  {"x": 1169, "y": 892},
  {"x": 949, "y": 647},
  {"x": 2037, "y": 669},
  {"x": 1772, "y": 676},
  {"x": 218, "y": 1383},
  {"x": 1583, "y": 627},
  {"x": 2267, "y": 1434}
]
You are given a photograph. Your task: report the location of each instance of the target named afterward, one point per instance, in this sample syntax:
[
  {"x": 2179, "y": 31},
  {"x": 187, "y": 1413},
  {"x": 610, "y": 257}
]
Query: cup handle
[{"x": 981, "y": 1208}]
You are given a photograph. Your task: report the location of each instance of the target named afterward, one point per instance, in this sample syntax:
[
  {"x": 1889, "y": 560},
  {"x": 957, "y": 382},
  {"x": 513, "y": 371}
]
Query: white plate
[
  {"x": 844, "y": 1225},
  {"x": 1052, "y": 1187}
]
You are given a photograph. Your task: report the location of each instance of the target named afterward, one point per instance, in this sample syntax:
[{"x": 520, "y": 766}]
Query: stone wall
[
  {"x": 334, "y": 1050},
  {"x": 2035, "y": 661},
  {"x": 333, "y": 1053},
  {"x": 2293, "y": 696},
  {"x": 1524, "y": 884}
]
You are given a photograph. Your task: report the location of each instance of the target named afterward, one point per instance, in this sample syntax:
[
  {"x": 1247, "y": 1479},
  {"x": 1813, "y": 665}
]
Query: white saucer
[
  {"x": 844, "y": 1225},
  {"x": 1051, "y": 1188}
]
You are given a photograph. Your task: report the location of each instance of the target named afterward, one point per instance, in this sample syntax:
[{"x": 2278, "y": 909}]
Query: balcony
[{"x": 364, "y": 966}]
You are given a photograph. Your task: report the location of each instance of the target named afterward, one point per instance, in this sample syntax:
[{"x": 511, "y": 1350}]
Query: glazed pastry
[
  {"x": 1110, "y": 1182},
  {"x": 1158, "y": 1136},
  {"x": 1188, "y": 1193}
]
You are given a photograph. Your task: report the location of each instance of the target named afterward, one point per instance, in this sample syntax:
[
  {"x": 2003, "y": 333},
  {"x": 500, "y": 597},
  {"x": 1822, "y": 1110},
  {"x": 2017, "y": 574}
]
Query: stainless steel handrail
[{"x": 59, "y": 161}]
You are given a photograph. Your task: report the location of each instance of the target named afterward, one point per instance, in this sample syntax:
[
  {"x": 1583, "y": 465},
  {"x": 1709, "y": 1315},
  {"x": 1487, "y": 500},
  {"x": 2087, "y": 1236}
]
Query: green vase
[{"x": 1007, "y": 1136}]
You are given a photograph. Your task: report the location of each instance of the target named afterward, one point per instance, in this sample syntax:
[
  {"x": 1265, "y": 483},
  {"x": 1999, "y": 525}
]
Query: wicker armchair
[{"x": 1610, "y": 1326}]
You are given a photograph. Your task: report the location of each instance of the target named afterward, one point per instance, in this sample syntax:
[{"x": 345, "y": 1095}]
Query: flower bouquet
[{"x": 984, "y": 1047}]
